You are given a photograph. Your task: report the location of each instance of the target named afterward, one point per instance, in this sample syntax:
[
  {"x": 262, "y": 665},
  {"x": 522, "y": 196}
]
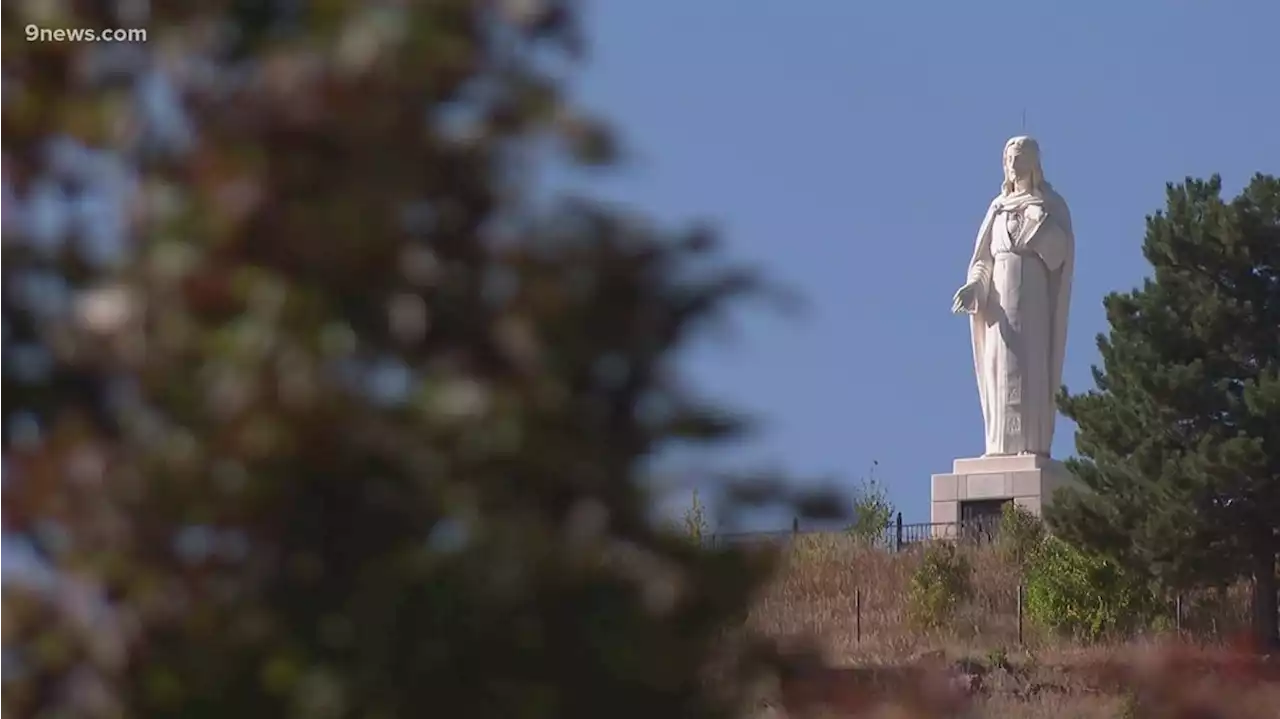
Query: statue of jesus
[{"x": 1017, "y": 295}]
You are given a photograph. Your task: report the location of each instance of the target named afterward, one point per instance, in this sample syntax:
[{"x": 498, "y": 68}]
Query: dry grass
[{"x": 890, "y": 666}]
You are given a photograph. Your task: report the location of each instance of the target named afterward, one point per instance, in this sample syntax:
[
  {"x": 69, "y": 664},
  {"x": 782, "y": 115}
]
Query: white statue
[{"x": 1017, "y": 295}]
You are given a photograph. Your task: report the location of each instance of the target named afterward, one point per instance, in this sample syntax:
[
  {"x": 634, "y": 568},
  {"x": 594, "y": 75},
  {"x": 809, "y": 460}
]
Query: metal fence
[
  {"x": 895, "y": 535},
  {"x": 1205, "y": 613}
]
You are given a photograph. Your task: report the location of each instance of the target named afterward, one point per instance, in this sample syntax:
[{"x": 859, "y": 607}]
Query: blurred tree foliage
[{"x": 353, "y": 423}]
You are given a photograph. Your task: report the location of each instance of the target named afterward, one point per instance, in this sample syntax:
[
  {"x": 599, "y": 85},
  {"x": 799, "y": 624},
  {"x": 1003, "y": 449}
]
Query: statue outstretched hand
[{"x": 966, "y": 299}]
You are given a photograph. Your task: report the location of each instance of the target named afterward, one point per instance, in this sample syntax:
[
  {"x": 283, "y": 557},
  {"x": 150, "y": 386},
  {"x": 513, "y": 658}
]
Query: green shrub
[
  {"x": 872, "y": 511},
  {"x": 941, "y": 582},
  {"x": 1021, "y": 533},
  {"x": 998, "y": 658},
  {"x": 1071, "y": 592},
  {"x": 695, "y": 520}
]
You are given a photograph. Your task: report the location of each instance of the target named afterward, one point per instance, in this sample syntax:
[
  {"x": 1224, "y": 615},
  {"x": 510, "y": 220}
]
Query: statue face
[{"x": 1017, "y": 164}]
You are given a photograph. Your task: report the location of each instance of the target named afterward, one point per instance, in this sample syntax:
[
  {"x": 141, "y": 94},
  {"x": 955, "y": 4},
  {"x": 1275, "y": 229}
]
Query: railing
[{"x": 895, "y": 535}]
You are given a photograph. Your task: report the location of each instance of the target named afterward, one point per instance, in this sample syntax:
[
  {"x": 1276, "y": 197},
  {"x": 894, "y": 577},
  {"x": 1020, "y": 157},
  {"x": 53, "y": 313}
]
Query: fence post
[
  {"x": 1019, "y": 613},
  {"x": 795, "y": 525},
  {"x": 897, "y": 536},
  {"x": 1177, "y": 612},
  {"x": 857, "y": 613}
]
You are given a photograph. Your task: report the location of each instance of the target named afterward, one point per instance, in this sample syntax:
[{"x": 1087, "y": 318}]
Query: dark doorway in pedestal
[{"x": 980, "y": 518}]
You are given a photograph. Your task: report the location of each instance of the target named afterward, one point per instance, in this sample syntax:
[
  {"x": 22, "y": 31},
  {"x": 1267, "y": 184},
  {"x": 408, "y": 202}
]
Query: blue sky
[{"x": 851, "y": 148}]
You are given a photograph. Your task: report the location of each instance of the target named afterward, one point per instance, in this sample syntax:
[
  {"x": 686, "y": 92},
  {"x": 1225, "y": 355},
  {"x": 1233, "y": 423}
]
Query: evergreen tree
[
  {"x": 1179, "y": 443},
  {"x": 352, "y": 425}
]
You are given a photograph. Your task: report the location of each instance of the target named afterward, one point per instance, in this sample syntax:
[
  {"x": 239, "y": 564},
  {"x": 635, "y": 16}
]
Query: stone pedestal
[{"x": 1027, "y": 480}]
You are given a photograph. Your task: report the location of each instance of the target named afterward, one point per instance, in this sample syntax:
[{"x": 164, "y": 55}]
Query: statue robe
[{"x": 1020, "y": 328}]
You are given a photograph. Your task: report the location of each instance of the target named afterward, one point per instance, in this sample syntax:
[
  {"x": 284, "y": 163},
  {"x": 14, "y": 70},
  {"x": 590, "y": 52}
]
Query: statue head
[{"x": 1022, "y": 171}]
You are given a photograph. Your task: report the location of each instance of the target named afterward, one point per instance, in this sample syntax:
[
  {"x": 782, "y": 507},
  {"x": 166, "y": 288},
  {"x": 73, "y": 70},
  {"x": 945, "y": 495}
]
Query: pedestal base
[{"x": 981, "y": 484}]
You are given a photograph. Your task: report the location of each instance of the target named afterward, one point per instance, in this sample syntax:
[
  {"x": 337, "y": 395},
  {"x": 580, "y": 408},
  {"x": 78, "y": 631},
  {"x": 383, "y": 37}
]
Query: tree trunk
[{"x": 1266, "y": 613}]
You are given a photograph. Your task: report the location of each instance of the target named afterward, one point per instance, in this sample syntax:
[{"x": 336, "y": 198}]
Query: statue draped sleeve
[
  {"x": 1060, "y": 290},
  {"x": 980, "y": 268}
]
